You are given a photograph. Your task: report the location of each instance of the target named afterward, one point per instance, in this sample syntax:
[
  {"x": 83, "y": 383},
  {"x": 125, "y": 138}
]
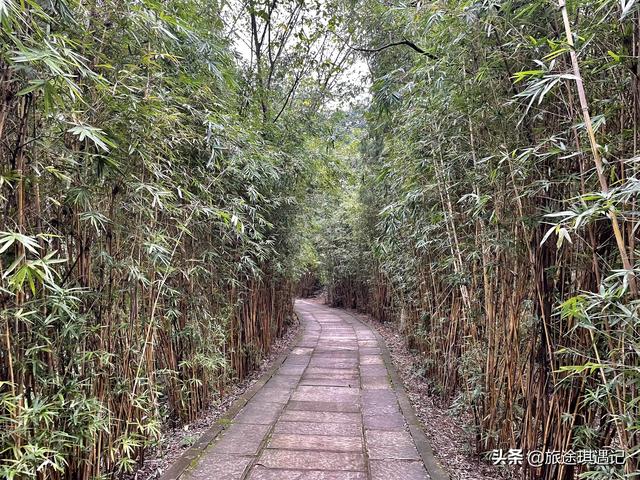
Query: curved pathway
[{"x": 333, "y": 410}]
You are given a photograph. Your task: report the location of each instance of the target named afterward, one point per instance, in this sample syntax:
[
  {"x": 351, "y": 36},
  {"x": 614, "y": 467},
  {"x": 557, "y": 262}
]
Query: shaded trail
[{"x": 334, "y": 409}]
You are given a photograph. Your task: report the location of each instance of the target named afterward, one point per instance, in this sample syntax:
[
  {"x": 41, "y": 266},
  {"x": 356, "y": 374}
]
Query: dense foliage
[
  {"x": 169, "y": 169},
  {"x": 149, "y": 184},
  {"x": 497, "y": 221}
]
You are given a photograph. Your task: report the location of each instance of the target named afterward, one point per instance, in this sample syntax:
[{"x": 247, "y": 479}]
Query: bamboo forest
[{"x": 314, "y": 228}]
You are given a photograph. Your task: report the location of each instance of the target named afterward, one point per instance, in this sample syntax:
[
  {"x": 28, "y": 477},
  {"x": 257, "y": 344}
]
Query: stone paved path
[{"x": 329, "y": 413}]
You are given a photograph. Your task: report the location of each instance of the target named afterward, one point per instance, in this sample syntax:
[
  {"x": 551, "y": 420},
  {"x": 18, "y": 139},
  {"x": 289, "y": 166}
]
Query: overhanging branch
[{"x": 405, "y": 43}]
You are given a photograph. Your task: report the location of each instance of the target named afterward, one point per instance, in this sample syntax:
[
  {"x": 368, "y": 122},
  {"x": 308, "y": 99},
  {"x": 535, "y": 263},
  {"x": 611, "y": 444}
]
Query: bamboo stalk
[{"x": 584, "y": 105}]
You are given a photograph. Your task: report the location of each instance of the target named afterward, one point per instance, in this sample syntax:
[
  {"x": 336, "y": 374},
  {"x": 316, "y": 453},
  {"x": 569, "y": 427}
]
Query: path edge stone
[
  {"x": 193, "y": 453},
  {"x": 416, "y": 429}
]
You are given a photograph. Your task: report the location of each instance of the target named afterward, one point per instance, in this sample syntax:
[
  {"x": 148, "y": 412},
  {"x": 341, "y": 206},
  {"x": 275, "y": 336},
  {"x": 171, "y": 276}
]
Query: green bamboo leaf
[
  {"x": 626, "y": 7},
  {"x": 7, "y": 239},
  {"x": 94, "y": 134}
]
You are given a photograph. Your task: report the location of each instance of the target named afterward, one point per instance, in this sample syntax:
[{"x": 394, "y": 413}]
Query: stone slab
[
  {"x": 262, "y": 473},
  {"x": 259, "y": 413},
  {"x": 315, "y": 428},
  {"x": 319, "y": 417},
  {"x": 306, "y": 460},
  {"x": 384, "y": 422},
  {"x": 397, "y": 445},
  {"x": 398, "y": 470},
  {"x": 241, "y": 439},
  {"x": 346, "y": 407},
  {"x": 219, "y": 467},
  {"x": 316, "y": 442}
]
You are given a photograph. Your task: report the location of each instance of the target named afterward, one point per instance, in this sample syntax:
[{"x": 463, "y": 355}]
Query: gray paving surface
[{"x": 329, "y": 413}]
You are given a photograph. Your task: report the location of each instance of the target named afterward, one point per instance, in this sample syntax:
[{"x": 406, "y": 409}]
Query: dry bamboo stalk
[
  {"x": 584, "y": 105},
  {"x": 605, "y": 189}
]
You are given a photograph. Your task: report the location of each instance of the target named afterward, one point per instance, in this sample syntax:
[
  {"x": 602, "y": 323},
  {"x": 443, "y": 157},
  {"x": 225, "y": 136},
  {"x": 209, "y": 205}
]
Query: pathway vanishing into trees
[{"x": 334, "y": 409}]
